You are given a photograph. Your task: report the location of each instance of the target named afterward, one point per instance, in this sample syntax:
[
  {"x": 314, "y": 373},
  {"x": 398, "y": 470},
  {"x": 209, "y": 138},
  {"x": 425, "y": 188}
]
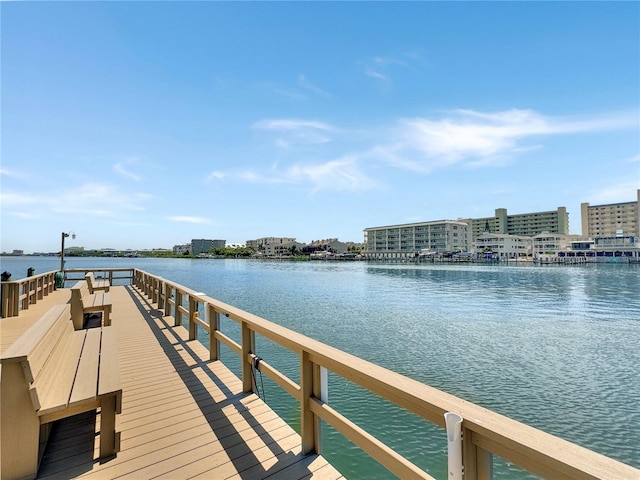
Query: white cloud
[
  {"x": 11, "y": 173},
  {"x": 624, "y": 191},
  {"x": 91, "y": 198},
  {"x": 482, "y": 139},
  {"x": 185, "y": 219},
  {"x": 289, "y": 124},
  {"x": 297, "y": 132},
  {"x": 379, "y": 67},
  {"x": 343, "y": 174},
  {"x": 634, "y": 159},
  {"x": 307, "y": 85},
  {"x": 467, "y": 138},
  {"x": 121, "y": 170},
  {"x": 18, "y": 199},
  {"x": 215, "y": 174},
  {"x": 338, "y": 175},
  {"x": 370, "y": 72}
]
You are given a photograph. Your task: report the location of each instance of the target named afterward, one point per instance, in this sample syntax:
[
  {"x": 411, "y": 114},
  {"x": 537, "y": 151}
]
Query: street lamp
[{"x": 64, "y": 235}]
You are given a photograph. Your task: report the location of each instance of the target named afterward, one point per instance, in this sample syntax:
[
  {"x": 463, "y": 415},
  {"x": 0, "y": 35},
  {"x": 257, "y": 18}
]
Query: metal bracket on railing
[
  {"x": 453, "y": 422},
  {"x": 324, "y": 385}
]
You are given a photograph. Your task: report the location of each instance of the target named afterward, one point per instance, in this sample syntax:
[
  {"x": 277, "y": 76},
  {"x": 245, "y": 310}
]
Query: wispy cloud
[
  {"x": 380, "y": 67},
  {"x": 617, "y": 192},
  {"x": 343, "y": 174},
  {"x": 290, "y": 124},
  {"x": 633, "y": 159},
  {"x": 121, "y": 170},
  {"x": 90, "y": 198},
  {"x": 215, "y": 175},
  {"x": 304, "y": 83},
  {"x": 458, "y": 138},
  {"x": 11, "y": 173},
  {"x": 185, "y": 219},
  {"x": 483, "y": 139},
  {"x": 296, "y": 131}
]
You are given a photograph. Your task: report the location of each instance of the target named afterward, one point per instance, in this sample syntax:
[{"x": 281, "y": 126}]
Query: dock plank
[{"x": 182, "y": 415}]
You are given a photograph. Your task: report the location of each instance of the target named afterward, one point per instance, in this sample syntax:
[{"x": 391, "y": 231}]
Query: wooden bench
[
  {"x": 51, "y": 372},
  {"x": 94, "y": 284},
  {"x": 83, "y": 302}
]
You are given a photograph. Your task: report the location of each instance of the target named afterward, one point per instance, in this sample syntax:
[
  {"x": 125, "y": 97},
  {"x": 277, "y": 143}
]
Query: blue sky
[{"x": 144, "y": 125}]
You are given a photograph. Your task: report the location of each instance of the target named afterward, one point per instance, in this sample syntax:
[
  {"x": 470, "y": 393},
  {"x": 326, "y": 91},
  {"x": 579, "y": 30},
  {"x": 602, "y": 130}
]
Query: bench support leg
[
  {"x": 109, "y": 444},
  {"x": 19, "y": 428}
]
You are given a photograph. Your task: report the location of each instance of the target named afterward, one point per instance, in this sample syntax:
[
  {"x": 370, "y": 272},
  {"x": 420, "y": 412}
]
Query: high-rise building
[
  {"x": 523, "y": 224},
  {"x": 201, "y": 245},
  {"x": 611, "y": 220}
]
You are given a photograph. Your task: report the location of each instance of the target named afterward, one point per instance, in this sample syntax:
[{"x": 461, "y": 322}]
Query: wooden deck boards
[
  {"x": 182, "y": 416},
  {"x": 12, "y": 327}
]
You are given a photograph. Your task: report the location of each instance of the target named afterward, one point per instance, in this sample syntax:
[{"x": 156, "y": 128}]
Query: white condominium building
[
  {"x": 272, "y": 246},
  {"x": 550, "y": 243},
  {"x": 408, "y": 240},
  {"x": 504, "y": 246},
  {"x": 611, "y": 220},
  {"x": 523, "y": 224}
]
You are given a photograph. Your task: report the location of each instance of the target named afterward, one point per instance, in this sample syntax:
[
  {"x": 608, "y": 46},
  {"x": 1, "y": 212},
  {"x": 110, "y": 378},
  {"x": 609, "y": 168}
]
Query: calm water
[{"x": 554, "y": 347}]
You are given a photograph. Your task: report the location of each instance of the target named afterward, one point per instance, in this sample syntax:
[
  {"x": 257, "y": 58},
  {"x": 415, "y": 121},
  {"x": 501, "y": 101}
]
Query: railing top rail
[
  {"x": 533, "y": 449},
  {"x": 96, "y": 269},
  {"x": 28, "y": 279}
]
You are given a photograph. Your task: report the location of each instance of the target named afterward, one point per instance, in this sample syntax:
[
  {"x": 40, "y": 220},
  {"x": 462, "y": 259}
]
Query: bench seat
[
  {"x": 94, "y": 284},
  {"x": 53, "y": 372},
  {"x": 83, "y": 302}
]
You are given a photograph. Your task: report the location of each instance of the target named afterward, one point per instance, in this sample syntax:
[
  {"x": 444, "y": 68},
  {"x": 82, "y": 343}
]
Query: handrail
[
  {"x": 485, "y": 433},
  {"x": 17, "y": 295},
  {"x": 108, "y": 272}
]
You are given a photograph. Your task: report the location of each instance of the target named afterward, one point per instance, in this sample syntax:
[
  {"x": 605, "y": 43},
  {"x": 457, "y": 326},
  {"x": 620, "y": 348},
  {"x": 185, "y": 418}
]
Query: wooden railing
[
  {"x": 18, "y": 295},
  {"x": 485, "y": 433},
  {"x": 111, "y": 274}
]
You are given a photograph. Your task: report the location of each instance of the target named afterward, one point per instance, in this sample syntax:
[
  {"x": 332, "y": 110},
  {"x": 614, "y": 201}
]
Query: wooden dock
[{"x": 183, "y": 416}]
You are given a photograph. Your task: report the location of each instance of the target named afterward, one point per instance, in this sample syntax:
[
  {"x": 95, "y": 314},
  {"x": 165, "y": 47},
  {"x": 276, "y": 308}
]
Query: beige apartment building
[
  {"x": 611, "y": 220},
  {"x": 272, "y": 246},
  {"x": 408, "y": 240},
  {"x": 504, "y": 246},
  {"x": 523, "y": 224}
]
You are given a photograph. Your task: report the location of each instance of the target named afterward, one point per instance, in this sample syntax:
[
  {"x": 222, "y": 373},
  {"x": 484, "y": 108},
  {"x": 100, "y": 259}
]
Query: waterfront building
[
  {"x": 523, "y": 224},
  {"x": 181, "y": 249},
  {"x": 273, "y": 246},
  {"x": 611, "y": 219},
  {"x": 408, "y": 240},
  {"x": 328, "y": 245},
  {"x": 551, "y": 243},
  {"x": 202, "y": 245},
  {"x": 504, "y": 247}
]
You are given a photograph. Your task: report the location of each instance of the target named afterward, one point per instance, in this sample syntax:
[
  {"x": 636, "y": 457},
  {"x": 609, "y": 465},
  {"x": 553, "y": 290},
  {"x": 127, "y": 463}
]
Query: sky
[{"x": 147, "y": 124}]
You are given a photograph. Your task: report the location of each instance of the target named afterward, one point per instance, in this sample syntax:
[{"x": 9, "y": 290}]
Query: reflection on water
[{"x": 555, "y": 347}]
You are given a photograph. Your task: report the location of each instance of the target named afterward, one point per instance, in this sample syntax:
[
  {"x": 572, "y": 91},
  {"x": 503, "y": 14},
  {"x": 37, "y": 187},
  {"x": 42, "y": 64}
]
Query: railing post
[
  {"x": 167, "y": 299},
  {"x": 154, "y": 290},
  {"x": 161, "y": 295},
  {"x": 177, "y": 319},
  {"x": 25, "y": 294},
  {"x": 214, "y": 325},
  {"x": 247, "y": 382},
  {"x": 308, "y": 422},
  {"x": 193, "y": 312},
  {"x": 477, "y": 462}
]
